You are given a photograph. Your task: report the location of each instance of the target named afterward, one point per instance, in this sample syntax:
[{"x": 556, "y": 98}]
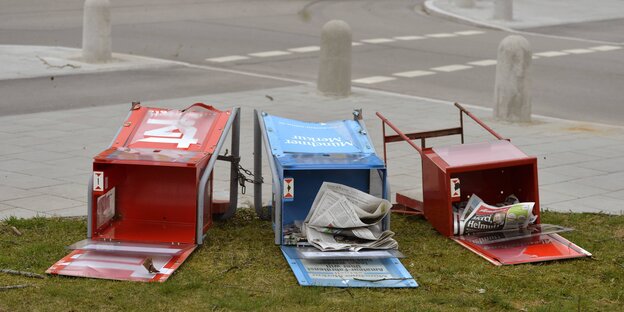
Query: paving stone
[
  {"x": 20, "y": 213},
  {"x": 608, "y": 165},
  {"x": 548, "y": 197},
  {"x": 69, "y": 212},
  {"x": 24, "y": 181},
  {"x": 571, "y": 171},
  {"x": 43, "y": 203},
  {"x": 575, "y": 189},
  {"x": 40, "y": 156},
  {"x": 610, "y": 182},
  {"x": 8, "y": 192},
  {"x": 16, "y": 165},
  {"x": 69, "y": 190}
]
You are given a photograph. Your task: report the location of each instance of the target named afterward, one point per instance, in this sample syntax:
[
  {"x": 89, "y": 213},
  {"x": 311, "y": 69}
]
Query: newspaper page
[
  {"x": 344, "y": 218},
  {"x": 478, "y": 216}
]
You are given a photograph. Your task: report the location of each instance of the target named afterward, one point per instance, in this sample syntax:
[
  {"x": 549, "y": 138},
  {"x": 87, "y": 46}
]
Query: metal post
[
  {"x": 503, "y": 10},
  {"x": 96, "y": 32},
  {"x": 257, "y": 164},
  {"x": 334, "y": 77},
  {"x": 512, "y": 98},
  {"x": 235, "y": 147}
]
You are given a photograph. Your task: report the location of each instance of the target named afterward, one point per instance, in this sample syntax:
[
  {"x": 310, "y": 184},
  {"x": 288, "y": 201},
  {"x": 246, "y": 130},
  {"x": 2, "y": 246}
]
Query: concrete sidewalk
[
  {"x": 530, "y": 13},
  {"x": 22, "y": 61},
  {"x": 45, "y": 158}
]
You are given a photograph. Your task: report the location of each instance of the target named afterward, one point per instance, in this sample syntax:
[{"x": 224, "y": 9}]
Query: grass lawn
[{"x": 239, "y": 268}]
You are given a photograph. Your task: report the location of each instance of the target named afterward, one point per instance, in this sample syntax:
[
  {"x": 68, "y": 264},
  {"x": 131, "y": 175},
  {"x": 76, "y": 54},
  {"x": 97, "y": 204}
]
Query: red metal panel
[{"x": 437, "y": 207}]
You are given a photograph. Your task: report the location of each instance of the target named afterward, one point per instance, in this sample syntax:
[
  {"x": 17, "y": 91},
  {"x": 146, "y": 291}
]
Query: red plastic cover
[
  {"x": 170, "y": 136},
  {"x": 544, "y": 247},
  {"x": 122, "y": 261}
]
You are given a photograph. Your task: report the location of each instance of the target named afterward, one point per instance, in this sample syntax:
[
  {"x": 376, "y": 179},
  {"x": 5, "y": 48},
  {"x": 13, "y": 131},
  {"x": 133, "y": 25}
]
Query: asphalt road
[{"x": 256, "y": 36}]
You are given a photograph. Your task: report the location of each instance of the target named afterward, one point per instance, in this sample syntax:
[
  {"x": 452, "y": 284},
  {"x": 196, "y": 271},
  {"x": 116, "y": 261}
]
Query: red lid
[{"x": 165, "y": 135}]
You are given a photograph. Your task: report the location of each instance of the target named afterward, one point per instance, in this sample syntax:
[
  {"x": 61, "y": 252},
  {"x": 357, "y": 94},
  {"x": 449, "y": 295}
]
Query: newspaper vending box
[
  {"x": 150, "y": 195},
  {"x": 493, "y": 170},
  {"x": 302, "y": 156}
]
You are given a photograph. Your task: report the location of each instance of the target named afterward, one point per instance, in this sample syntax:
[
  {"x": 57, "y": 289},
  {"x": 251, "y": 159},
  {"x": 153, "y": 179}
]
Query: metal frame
[
  {"x": 234, "y": 124},
  {"x": 408, "y": 137},
  {"x": 259, "y": 139}
]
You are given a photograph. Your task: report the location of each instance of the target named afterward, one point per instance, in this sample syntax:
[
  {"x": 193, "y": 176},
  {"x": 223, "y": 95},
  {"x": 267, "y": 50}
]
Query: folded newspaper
[
  {"x": 344, "y": 218},
  {"x": 478, "y": 216}
]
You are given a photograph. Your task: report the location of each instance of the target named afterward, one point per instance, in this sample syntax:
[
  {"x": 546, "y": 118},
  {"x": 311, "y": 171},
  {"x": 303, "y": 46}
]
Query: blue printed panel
[
  {"x": 387, "y": 272},
  {"x": 334, "y": 137}
]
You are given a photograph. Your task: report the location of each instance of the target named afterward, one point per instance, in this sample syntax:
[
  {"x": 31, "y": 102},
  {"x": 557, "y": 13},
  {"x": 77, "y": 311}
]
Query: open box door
[
  {"x": 373, "y": 268},
  {"x": 122, "y": 261},
  {"x": 150, "y": 196},
  {"x": 540, "y": 242}
]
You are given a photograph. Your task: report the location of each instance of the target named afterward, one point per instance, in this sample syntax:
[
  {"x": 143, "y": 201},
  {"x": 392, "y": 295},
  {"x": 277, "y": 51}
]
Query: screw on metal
[{"x": 357, "y": 114}]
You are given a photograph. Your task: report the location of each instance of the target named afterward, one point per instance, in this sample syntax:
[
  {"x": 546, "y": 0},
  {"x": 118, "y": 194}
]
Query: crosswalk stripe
[
  {"x": 551, "y": 53},
  {"x": 451, "y": 68},
  {"x": 378, "y": 40},
  {"x": 305, "y": 49},
  {"x": 269, "y": 53},
  {"x": 373, "y": 79},
  {"x": 229, "y": 58},
  {"x": 469, "y": 32},
  {"x": 605, "y": 48},
  {"x": 414, "y": 73},
  {"x": 441, "y": 35},
  {"x": 407, "y": 38},
  {"x": 483, "y": 63}
]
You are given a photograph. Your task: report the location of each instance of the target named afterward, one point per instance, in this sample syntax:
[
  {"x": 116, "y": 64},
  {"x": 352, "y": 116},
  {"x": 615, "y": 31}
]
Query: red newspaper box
[
  {"x": 150, "y": 197},
  {"x": 493, "y": 170}
]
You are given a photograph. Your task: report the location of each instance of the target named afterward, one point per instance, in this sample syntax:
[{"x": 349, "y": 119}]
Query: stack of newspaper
[
  {"x": 344, "y": 218},
  {"x": 478, "y": 216}
]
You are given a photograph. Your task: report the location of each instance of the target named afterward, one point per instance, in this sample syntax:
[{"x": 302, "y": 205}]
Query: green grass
[{"x": 239, "y": 268}]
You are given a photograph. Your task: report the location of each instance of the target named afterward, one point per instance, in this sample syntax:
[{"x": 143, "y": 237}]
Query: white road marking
[
  {"x": 305, "y": 49},
  {"x": 355, "y": 44},
  {"x": 483, "y": 63},
  {"x": 414, "y": 73},
  {"x": 407, "y": 38},
  {"x": 535, "y": 57},
  {"x": 605, "y": 48},
  {"x": 373, "y": 79},
  {"x": 269, "y": 53},
  {"x": 578, "y": 51},
  {"x": 230, "y": 58},
  {"x": 469, "y": 32},
  {"x": 550, "y": 53},
  {"x": 378, "y": 40},
  {"x": 441, "y": 35},
  {"x": 451, "y": 68}
]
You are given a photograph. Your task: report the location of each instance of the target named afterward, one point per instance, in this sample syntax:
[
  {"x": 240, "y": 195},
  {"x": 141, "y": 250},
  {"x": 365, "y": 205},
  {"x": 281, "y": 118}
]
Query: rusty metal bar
[
  {"x": 424, "y": 134},
  {"x": 461, "y": 125},
  {"x": 403, "y": 136},
  {"x": 383, "y": 132},
  {"x": 477, "y": 120}
]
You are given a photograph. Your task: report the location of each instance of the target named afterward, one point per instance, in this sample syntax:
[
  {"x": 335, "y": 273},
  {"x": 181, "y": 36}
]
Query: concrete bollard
[
  {"x": 503, "y": 10},
  {"x": 334, "y": 77},
  {"x": 96, "y": 32},
  {"x": 512, "y": 98},
  {"x": 464, "y": 3}
]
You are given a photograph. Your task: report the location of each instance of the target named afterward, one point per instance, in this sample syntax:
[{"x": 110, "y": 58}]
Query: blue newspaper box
[{"x": 303, "y": 155}]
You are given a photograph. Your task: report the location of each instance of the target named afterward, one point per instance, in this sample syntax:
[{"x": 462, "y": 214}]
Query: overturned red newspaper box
[
  {"x": 150, "y": 197},
  {"x": 493, "y": 170}
]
